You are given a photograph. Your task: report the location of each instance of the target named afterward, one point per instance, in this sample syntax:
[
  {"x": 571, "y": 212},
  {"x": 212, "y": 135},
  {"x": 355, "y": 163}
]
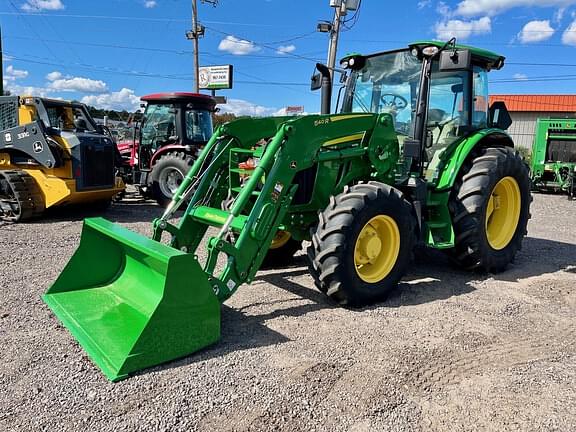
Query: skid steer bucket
[{"x": 132, "y": 302}]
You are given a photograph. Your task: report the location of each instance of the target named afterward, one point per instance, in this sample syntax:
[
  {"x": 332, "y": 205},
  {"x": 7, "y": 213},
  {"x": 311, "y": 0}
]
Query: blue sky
[{"x": 108, "y": 53}]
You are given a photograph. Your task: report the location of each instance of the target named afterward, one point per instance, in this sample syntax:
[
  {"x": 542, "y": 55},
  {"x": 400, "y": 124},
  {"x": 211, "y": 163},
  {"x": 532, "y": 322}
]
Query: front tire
[
  {"x": 490, "y": 208},
  {"x": 281, "y": 252},
  {"x": 167, "y": 175},
  {"x": 363, "y": 244}
]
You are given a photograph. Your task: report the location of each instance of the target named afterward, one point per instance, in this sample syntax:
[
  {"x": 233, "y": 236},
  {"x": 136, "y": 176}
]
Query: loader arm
[{"x": 248, "y": 225}]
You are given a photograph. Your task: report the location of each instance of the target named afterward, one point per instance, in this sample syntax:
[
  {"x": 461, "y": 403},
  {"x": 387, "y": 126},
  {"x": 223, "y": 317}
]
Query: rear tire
[
  {"x": 363, "y": 244},
  {"x": 490, "y": 208},
  {"x": 167, "y": 175}
]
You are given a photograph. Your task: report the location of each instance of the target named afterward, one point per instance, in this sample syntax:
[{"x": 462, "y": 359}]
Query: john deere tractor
[
  {"x": 414, "y": 156},
  {"x": 52, "y": 153}
]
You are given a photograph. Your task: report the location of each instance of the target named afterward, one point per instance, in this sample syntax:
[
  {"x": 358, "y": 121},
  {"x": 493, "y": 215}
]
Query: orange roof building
[{"x": 526, "y": 109}]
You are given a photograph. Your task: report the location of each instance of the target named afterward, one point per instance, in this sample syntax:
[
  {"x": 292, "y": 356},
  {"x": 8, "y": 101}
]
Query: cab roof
[
  {"x": 178, "y": 97},
  {"x": 486, "y": 58}
]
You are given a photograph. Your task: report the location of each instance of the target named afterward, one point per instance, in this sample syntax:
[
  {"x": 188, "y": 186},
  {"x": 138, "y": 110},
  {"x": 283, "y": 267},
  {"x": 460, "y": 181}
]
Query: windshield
[
  {"x": 68, "y": 117},
  {"x": 198, "y": 125},
  {"x": 388, "y": 83},
  {"x": 158, "y": 126}
]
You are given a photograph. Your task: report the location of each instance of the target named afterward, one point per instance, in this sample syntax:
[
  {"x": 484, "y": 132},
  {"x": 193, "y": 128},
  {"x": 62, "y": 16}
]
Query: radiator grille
[
  {"x": 8, "y": 112},
  {"x": 97, "y": 164}
]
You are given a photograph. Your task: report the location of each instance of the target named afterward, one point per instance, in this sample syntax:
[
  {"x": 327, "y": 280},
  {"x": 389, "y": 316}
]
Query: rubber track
[{"x": 27, "y": 193}]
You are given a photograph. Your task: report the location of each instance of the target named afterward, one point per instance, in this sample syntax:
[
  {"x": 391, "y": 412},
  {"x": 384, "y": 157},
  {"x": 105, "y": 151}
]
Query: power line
[
  {"x": 133, "y": 18},
  {"x": 245, "y": 41},
  {"x": 182, "y": 77}
]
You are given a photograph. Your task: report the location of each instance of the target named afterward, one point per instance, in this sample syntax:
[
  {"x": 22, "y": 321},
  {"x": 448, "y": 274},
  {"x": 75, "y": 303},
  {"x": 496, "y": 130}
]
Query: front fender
[{"x": 455, "y": 157}]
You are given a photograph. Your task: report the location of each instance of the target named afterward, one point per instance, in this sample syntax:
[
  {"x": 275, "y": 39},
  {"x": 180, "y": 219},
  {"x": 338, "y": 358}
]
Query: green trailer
[
  {"x": 414, "y": 156},
  {"x": 553, "y": 162}
]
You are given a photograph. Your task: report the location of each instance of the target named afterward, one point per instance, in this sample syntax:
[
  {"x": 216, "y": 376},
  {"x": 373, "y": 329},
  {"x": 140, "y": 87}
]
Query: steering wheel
[{"x": 391, "y": 100}]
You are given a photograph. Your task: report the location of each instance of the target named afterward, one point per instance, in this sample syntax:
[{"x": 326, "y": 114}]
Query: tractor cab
[
  {"x": 174, "y": 119},
  {"x": 452, "y": 80},
  {"x": 174, "y": 127}
]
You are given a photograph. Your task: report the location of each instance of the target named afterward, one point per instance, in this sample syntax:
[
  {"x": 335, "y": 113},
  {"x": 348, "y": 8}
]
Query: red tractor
[{"x": 174, "y": 128}]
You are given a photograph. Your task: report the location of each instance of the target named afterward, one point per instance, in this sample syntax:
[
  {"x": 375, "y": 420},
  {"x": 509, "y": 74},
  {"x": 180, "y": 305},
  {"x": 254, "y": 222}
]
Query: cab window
[
  {"x": 480, "y": 102},
  {"x": 198, "y": 125},
  {"x": 159, "y": 125},
  {"x": 448, "y": 107}
]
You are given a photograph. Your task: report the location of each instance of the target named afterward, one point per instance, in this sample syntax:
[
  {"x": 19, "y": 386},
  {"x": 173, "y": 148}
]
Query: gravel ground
[{"x": 449, "y": 351}]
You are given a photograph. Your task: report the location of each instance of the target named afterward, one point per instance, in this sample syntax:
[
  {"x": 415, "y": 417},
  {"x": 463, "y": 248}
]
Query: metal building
[{"x": 526, "y": 109}]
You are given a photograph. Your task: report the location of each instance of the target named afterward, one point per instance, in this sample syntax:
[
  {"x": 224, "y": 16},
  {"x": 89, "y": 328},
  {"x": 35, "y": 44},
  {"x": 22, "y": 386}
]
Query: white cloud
[
  {"x": 40, "y": 5},
  {"x": 520, "y": 77},
  {"x": 20, "y": 90},
  {"x": 443, "y": 9},
  {"x": 285, "y": 49},
  {"x": 149, "y": 4},
  {"x": 536, "y": 31},
  {"x": 13, "y": 74},
  {"x": 241, "y": 107},
  {"x": 463, "y": 29},
  {"x": 469, "y": 8},
  {"x": 569, "y": 35},
  {"x": 53, "y": 76},
  {"x": 236, "y": 46},
  {"x": 424, "y": 4},
  {"x": 79, "y": 84},
  {"x": 124, "y": 99}
]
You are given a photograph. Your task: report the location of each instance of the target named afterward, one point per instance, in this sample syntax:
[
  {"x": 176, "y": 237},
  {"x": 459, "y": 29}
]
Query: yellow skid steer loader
[{"x": 52, "y": 153}]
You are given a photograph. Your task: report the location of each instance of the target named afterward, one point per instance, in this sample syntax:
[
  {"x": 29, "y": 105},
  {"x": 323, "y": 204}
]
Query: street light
[{"x": 324, "y": 27}]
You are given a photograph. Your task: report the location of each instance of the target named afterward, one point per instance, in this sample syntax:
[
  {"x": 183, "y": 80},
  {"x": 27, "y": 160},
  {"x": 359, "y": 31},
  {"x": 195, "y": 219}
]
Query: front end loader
[
  {"x": 52, "y": 153},
  {"x": 415, "y": 156}
]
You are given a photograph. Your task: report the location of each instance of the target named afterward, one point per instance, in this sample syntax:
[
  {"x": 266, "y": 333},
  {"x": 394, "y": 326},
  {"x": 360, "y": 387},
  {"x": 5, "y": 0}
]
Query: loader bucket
[{"x": 132, "y": 302}]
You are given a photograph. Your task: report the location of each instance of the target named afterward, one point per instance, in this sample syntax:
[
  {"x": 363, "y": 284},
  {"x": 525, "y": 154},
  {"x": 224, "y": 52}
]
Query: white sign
[{"x": 215, "y": 77}]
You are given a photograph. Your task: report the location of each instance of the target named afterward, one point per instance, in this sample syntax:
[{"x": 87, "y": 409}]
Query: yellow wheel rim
[
  {"x": 503, "y": 213},
  {"x": 280, "y": 239},
  {"x": 377, "y": 248}
]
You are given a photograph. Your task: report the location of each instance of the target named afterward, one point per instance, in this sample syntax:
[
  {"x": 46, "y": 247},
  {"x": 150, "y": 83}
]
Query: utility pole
[
  {"x": 1, "y": 66},
  {"x": 196, "y": 36},
  {"x": 340, "y": 11},
  {"x": 341, "y": 8},
  {"x": 198, "y": 31}
]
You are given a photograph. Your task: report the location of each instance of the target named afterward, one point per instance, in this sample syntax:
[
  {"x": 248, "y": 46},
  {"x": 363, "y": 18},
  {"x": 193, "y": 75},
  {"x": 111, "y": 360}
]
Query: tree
[{"x": 220, "y": 119}]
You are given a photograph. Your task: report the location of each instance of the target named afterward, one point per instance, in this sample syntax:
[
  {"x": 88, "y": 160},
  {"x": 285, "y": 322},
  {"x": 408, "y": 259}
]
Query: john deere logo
[{"x": 38, "y": 147}]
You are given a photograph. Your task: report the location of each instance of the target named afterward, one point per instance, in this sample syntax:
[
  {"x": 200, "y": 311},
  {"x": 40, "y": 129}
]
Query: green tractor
[
  {"x": 414, "y": 157},
  {"x": 553, "y": 163}
]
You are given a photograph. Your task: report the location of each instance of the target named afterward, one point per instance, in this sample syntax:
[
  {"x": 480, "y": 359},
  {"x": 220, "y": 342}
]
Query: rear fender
[
  {"x": 167, "y": 149},
  {"x": 455, "y": 158}
]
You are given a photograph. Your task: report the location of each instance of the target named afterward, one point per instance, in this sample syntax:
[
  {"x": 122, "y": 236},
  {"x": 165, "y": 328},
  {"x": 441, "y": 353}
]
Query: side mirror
[
  {"x": 499, "y": 116},
  {"x": 316, "y": 82},
  {"x": 455, "y": 60}
]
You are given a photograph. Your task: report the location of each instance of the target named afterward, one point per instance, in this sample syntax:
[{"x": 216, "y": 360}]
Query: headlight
[{"x": 430, "y": 51}]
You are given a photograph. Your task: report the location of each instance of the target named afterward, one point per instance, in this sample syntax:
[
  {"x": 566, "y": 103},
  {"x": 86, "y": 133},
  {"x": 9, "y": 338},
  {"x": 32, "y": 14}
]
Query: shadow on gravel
[
  {"x": 239, "y": 332},
  {"x": 434, "y": 277},
  {"x": 540, "y": 256}
]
